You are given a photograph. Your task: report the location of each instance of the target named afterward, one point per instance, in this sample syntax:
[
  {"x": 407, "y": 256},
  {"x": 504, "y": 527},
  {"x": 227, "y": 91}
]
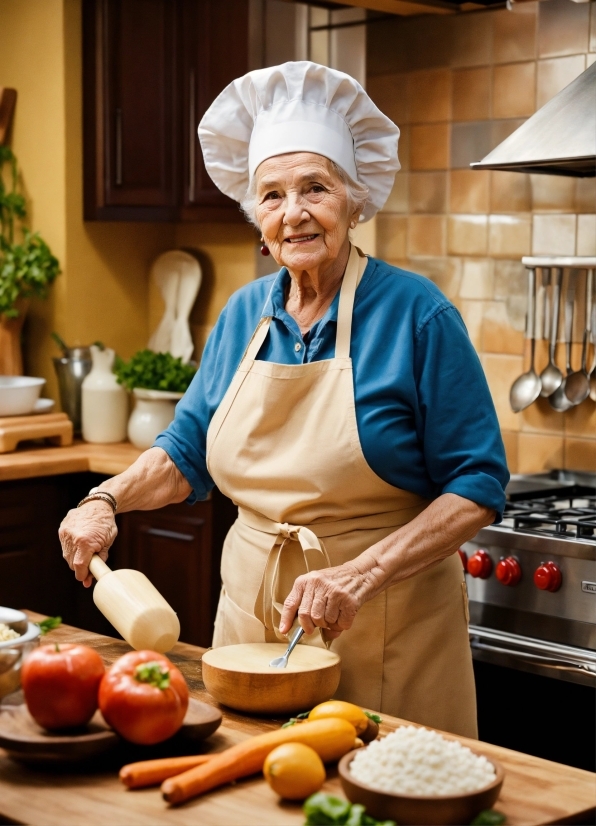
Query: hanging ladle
[
  {"x": 551, "y": 377},
  {"x": 577, "y": 385},
  {"x": 526, "y": 388},
  {"x": 593, "y": 372},
  {"x": 559, "y": 401}
]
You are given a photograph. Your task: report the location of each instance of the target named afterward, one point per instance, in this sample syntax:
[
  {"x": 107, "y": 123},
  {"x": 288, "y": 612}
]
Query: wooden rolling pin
[{"x": 135, "y": 607}]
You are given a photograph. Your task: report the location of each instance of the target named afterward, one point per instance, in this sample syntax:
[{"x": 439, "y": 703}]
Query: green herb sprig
[
  {"x": 27, "y": 268},
  {"x": 489, "y": 817},
  {"x": 154, "y": 371},
  {"x": 325, "y": 810},
  {"x": 48, "y": 624}
]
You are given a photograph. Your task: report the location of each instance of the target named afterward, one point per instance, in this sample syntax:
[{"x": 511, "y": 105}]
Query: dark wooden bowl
[
  {"x": 419, "y": 811},
  {"x": 25, "y": 740}
]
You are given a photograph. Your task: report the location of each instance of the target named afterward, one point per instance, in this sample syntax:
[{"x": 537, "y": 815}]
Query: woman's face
[{"x": 302, "y": 209}]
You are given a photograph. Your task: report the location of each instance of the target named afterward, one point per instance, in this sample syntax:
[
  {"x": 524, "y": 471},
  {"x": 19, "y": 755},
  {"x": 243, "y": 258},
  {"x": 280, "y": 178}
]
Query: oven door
[{"x": 549, "y": 659}]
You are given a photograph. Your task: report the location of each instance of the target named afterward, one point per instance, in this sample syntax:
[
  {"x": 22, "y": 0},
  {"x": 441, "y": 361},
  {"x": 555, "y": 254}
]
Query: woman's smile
[{"x": 301, "y": 239}]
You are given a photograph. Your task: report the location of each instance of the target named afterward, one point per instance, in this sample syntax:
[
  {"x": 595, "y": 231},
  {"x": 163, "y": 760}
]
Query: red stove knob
[
  {"x": 464, "y": 559},
  {"x": 508, "y": 571},
  {"x": 548, "y": 577},
  {"x": 480, "y": 565}
]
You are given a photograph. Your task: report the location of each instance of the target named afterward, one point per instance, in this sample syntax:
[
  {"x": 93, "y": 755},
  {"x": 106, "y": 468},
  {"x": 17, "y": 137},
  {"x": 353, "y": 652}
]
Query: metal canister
[{"x": 71, "y": 369}]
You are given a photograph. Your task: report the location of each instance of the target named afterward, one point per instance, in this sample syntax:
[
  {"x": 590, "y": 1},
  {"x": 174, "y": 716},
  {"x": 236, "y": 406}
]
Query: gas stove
[
  {"x": 569, "y": 516},
  {"x": 532, "y": 579}
]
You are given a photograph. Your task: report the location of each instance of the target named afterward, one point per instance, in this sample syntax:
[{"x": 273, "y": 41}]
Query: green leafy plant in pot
[
  {"x": 27, "y": 266},
  {"x": 157, "y": 381}
]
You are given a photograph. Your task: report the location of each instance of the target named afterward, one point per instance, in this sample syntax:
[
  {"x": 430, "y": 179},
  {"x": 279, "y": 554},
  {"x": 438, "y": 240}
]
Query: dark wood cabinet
[
  {"x": 177, "y": 547},
  {"x": 151, "y": 68},
  {"x": 214, "y": 51},
  {"x": 32, "y": 571}
]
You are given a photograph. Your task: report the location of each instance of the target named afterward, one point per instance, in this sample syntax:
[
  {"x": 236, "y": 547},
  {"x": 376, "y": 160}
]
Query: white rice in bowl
[
  {"x": 416, "y": 761},
  {"x": 7, "y": 633}
]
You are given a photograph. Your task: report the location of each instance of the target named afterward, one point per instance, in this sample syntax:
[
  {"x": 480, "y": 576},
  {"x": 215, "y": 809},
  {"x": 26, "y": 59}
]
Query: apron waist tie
[
  {"x": 269, "y": 603},
  {"x": 386, "y": 519},
  {"x": 292, "y": 539}
]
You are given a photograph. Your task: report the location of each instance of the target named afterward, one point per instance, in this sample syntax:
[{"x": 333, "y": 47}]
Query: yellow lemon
[
  {"x": 346, "y": 711},
  {"x": 294, "y": 771}
]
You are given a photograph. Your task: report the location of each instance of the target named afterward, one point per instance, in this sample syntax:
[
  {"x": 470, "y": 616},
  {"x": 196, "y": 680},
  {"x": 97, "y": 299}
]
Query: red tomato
[
  {"x": 144, "y": 697},
  {"x": 60, "y": 683}
]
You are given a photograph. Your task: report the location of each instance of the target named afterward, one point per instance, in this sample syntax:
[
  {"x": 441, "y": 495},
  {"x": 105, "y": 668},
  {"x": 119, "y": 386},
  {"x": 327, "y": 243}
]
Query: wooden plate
[
  {"x": 418, "y": 810},
  {"x": 23, "y": 739}
]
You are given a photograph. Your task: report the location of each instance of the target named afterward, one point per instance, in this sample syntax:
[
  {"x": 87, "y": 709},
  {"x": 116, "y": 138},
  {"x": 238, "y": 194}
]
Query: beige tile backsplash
[
  {"x": 563, "y": 29},
  {"x": 428, "y": 192},
  {"x": 514, "y": 92},
  {"x": 470, "y": 98},
  {"x": 456, "y": 87}
]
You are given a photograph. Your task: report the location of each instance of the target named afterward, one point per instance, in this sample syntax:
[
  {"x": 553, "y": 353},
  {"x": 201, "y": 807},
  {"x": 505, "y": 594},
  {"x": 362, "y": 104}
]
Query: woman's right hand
[{"x": 90, "y": 529}]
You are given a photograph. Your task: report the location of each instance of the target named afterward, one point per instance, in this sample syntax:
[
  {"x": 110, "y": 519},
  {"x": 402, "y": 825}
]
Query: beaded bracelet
[
  {"x": 105, "y": 493},
  {"x": 100, "y": 495}
]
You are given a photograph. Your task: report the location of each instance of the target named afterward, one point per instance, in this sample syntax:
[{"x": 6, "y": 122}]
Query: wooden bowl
[
  {"x": 239, "y": 676},
  {"x": 415, "y": 810}
]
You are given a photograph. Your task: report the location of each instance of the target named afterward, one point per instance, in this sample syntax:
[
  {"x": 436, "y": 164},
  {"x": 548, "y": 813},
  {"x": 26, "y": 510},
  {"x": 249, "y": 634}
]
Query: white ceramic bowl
[
  {"x": 19, "y": 394},
  {"x": 12, "y": 652}
]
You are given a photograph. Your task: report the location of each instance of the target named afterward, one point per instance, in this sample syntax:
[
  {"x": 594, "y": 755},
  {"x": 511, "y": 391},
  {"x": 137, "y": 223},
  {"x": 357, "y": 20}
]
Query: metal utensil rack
[{"x": 539, "y": 325}]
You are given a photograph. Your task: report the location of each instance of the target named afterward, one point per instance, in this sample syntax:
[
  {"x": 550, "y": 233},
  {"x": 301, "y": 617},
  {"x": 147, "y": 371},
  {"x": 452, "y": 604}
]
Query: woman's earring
[{"x": 264, "y": 247}]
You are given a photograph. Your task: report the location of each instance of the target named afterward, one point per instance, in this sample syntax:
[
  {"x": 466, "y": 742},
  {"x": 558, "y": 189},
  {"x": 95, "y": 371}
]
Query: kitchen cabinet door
[
  {"x": 129, "y": 76},
  {"x": 214, "y": 51},
  {"x": 151, "y": 68},
  {"x": 172, "y": 546},
  {"x": 33, "y": 573}
]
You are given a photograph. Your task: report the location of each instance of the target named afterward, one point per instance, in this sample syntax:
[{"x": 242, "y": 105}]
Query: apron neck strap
[
  {"x": 354, "y": 269},
  {"x": 258, "y": 337}
]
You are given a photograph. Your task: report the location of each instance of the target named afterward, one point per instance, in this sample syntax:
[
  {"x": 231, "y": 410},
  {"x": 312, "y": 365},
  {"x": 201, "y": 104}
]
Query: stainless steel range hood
[{"x": 559, "y": 139}]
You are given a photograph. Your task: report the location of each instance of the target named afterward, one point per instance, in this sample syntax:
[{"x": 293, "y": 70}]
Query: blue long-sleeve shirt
[{"x": 426, "y": 420}]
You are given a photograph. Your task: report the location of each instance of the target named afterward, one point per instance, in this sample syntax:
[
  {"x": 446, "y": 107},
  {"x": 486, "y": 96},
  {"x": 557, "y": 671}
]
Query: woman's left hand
[{"x": 326, "y": 599}]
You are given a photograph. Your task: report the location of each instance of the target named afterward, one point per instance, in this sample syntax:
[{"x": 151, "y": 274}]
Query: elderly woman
[{"x": 340, "y": 404}]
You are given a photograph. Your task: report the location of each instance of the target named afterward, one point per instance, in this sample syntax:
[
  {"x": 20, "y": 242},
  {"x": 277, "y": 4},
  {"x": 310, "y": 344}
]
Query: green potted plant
[
  {"x": 27, "y": 266},
  {"x": 157, "y": 381}
]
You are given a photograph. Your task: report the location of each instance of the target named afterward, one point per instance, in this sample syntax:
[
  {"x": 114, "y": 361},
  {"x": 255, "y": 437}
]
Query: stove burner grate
[{"x": 572, "y": 517}]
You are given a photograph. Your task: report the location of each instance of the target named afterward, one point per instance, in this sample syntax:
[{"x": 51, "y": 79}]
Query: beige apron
[{"x": 284, "y": 445}]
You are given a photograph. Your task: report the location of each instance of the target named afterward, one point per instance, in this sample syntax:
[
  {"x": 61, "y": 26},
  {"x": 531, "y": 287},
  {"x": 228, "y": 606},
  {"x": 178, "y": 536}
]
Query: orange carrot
[
  {"x": 154, "y": 772},
  {"x": 330, "y": 738}
]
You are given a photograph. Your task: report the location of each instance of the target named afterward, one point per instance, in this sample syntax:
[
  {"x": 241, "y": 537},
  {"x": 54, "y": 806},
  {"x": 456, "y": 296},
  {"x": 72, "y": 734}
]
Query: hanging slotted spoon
[
  {"x": 577, "y": 385},
  {"x": 559, "y": 401}
]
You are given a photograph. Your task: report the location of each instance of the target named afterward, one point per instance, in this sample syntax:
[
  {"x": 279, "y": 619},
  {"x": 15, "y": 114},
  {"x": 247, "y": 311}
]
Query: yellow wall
[
  {"x": 103, "y": 292},
  {"x": 31, "y": 61}
]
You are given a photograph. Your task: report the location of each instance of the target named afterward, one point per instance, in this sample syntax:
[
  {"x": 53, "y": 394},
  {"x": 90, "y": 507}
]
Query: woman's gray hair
[{"x": 357, "y": 194}]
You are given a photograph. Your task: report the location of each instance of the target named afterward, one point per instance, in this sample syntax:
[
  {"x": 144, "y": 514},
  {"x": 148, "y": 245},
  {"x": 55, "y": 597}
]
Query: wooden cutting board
[{"x": 56, "y": 427}]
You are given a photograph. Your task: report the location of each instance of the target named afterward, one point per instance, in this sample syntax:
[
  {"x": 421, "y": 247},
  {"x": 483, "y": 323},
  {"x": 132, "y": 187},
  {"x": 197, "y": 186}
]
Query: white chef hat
[{"x": 299, "y": 107}]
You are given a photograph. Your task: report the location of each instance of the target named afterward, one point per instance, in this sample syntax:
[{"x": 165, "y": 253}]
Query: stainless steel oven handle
[{"x": 549, "y": 662}]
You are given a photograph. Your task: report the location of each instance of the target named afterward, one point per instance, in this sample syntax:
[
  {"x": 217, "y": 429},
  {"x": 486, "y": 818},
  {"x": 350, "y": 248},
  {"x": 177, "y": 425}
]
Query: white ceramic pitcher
[{"x": 104, "y": 401}]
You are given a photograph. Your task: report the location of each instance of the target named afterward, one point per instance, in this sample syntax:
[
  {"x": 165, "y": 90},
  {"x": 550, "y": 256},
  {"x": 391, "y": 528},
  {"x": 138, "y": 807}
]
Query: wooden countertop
[
  {"x": 535, "y": 791},
  {"x": 32, "y": 460}
]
